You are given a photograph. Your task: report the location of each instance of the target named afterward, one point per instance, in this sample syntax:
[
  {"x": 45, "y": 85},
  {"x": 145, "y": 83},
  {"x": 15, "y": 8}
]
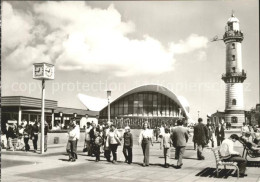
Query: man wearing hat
[{"x": 128, "y": 145}]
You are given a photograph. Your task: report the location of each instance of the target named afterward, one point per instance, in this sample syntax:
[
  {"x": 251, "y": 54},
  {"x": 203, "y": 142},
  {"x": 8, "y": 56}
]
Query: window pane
[
  {"x": 120, "y": 111},
  {"x": 112, "y": 110},
  {"x": 131, "y": 97},
  {"x": 150, "y": 111},
  {"x": 141, "y": 97},
  {"x": 154, "y": 111},
  {"x": 121, "y": 103},
  {"x": 150, "y": 97},
  {"x": 130, "y": 107},
  {"x": 125, "y": 110},
  {"x": 135, "y": 97},
  {"x": 155, "y": 97},
  {"x": 140, "y": 103},
  {"x": 135, "y": 110}
]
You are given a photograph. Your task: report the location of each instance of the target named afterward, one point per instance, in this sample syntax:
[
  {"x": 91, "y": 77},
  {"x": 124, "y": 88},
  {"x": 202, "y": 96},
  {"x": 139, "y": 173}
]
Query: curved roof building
[{"x": 154, "y": 103}]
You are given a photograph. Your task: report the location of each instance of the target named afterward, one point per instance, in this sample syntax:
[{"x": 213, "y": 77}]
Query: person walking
[
  {"x": 156, "y": 133},
  {"x": 113, "y": 141},
  {"x": 26, "y": 136},
  {"x": 92, "y": 134},
  {"x": 180, "y": 138},
  {"x": 210, "y": 133},
  {"x": 12, "y": 137},
  {"x": 200, "y": 138},
  {"x": 220, "y": 134},
  {"x": 227, "y": 152},
  {"x": 145, "y": 138},
  {"x": 97, "y": 144},
  {"x": 193, "y": 139},
  {"x": 34, "y": 135},
  {"x": 128, "y": 145},
  {"x": 107, "y": 151},
  {"x": 88, "y": 139},
  {"x": 20, "y": 141},
  {"x": 166, "y": 143},
  {"x": 46, "y": 130},
  {"x": 72, "y": 142}
]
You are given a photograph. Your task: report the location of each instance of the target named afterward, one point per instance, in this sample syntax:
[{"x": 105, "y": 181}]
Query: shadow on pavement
[
  {"x": 211, "y": 172},
  {"x": 65, "y": 160},
  {"x": 253, "y": 164}
]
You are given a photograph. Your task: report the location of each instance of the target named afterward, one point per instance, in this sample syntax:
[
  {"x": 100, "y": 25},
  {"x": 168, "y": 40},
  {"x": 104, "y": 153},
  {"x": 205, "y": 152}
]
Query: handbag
[{"x": 85, "y": 147}]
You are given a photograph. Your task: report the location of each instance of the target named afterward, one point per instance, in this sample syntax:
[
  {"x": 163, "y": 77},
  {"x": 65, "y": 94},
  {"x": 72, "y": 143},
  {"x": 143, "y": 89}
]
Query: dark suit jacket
[
  {"x": 220, "y": 134},
  {"x": 92, "y": 133},
  {"x": 200, "y": 134},
  {"x": 180, "y": 136}
]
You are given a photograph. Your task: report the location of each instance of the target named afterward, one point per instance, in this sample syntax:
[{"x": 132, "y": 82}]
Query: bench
[{"x": 220, "y": 162}]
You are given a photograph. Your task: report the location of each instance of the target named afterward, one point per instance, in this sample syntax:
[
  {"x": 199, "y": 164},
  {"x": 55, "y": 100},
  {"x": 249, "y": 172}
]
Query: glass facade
[{"x": 146, "y": 104}]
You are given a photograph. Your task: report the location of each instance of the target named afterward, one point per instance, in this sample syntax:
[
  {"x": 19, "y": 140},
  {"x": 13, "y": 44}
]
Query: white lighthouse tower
[{"x": 235, "y": 75}]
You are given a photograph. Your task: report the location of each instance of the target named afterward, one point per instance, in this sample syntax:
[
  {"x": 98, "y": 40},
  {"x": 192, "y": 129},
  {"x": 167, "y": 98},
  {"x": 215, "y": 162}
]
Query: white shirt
[
  {"x": 113, "y": 137},
  {"x": 227, "y": 148},
  {"x": 244, "y": 129},
  {"x": 77, "y": 132},
  {"x": 145, "y": 134},
  {"x": 72, "y": 134},
  {"x": 162, "y": 131}
]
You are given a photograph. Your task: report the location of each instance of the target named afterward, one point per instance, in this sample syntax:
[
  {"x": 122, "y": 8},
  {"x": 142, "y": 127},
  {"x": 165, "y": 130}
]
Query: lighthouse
[{"x": 234, "y": 75}]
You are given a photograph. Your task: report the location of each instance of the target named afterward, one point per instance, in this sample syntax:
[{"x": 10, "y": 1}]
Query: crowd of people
[
  {"x": 106, "y": 139},
  {"x": 18, "y": 138}
]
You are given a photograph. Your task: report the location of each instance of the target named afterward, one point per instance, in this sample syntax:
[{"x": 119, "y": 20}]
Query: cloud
[
  {"x": 76, "y": 36},
  {"x": 193, "y": 42},
  {"x": 16, "y": 27}
]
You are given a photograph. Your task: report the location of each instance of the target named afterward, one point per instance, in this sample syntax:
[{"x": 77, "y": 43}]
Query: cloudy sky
[{"x": 122, "y": 45}]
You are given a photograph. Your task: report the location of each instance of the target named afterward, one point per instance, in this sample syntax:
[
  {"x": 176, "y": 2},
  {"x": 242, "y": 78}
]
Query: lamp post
[
  {"x": 108, "y": 99},
  {"x": 179, "y": 112},
  {"x": 43, "y": 71}
]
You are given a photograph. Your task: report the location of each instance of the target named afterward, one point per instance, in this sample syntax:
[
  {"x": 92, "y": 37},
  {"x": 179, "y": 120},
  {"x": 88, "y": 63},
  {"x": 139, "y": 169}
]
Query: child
[
  {"x": 97, "y": 144},
  {"x": 128, "y": 145},
  {"x": 166, "y": 142}
]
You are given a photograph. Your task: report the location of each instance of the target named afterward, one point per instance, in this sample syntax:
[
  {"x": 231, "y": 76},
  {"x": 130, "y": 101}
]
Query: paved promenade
[{"x": 54, "y": 166}]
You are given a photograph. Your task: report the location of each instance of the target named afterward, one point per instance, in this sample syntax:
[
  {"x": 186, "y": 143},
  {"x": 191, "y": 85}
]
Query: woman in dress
[{"x": 145, "y": 139}]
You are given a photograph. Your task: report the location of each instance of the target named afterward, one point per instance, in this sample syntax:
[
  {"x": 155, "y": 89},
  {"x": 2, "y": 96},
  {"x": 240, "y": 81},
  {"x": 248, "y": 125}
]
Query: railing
[
  {"x": 234, "y": 74},
  {"x": 233, "y": 34}
]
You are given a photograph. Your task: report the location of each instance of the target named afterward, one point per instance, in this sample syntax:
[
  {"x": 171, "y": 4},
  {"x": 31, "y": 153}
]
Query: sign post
[{"x": 43, "y": 71}]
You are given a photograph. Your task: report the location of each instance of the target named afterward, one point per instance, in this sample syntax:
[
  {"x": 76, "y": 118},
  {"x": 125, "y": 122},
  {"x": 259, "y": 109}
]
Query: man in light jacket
[
  {"x": 73, "y": 137},
  {"x": 180, "y": 138}
]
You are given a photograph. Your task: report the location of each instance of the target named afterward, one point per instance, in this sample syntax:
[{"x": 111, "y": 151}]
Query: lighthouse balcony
[
  {"x": 234, "y": 77},
  {"x": 233, "y": 35}
]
